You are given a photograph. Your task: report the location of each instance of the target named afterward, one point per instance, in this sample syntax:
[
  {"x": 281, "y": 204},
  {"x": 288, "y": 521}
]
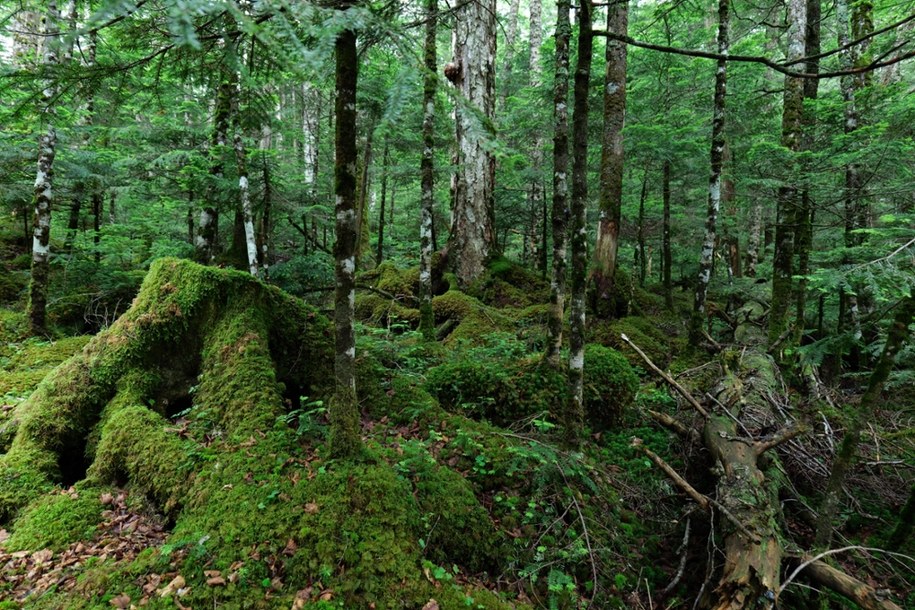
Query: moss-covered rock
[
  {"x": 661, "y": 342},
  {"x": 507, "y": 284},
  {"x": 610, "y": 385}
]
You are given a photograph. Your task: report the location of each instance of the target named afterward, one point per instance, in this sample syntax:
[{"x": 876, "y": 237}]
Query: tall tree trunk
[
  {"x": 208, "y": 233},
  {"x": 803, "y": 236},
  {"x": 44, "y": 180},
  {"x": 244, "y": 193},
  {"x": 536, "y": 187},
  {"x": 786, "y": 212},
  {"x": 560, "y": 211},
  {"x": 362, "y": 198},
  {"x": 472, "y": 229},
  {"x": 511, "y": 32},
  {"x": 753, "y": 237},
  {"x": 611, "y": 167},
  {"x": 729, "y": 202},
  {"x": 666, "y": 256},
  {"x": 579, "y": 231},
  {"x": 896, "y": 337},
  {"x": 707, "y": 255},
  {"x": 266, "y": 224},
  {"x": 98, "y": 199},
  {"x": 379, "y": 255},
  {"x": 640, "y": 245},
  {"x": 344, "y": 410},
  {"x": 427, "y": 176}
]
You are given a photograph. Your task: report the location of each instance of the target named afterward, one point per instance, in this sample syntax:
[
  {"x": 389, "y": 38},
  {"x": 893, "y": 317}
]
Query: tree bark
[
  {"x": 579, "y": 232},
  {"x": 536, "y": 187},
  {"x": 511, "y": 32},
  {"x": 666, "y": 256},
  {"x": 719, "y": 143},
  {"x": 44, "y": 180},
  {"x": 208, "y": 233},
  {"x": 560, "y": 209},
  {"x": 640, "y": 245},
  {"x": 344, "y": 410},
  {"x": 427, "y": 175},
  {"x": 603, "y": 264},
  {"x": 786, "y": 214},
  {"x": 472, "y": 71},
  {"x": 244, "y": 194}
]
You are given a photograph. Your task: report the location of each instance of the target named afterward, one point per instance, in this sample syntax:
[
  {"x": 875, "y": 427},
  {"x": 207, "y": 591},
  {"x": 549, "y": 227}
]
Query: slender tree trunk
[
  {"x": 427, "y": 176},
  {"x": 344, "y": 411},
  {"x": 729, "y": 202},
  {"x": 97, "y": 204},
  {"x": 560, "y": 211},
  {"x": 208, "y": 233},
  {"x": 666, "y": 256},
  {"x": 719, "y": 143},
  {"x": 896, "y": 337},
  {"x": 44, "y": 180},
  {"x": 384, "y": 192},
  {"x": 782, "y": 265},
  {"x": 904, "y": 527},
  {"x": 511, "y": 32},
  {"x": 579, "y": 231},
  {"x": 267, "y": 215},
  {"x": 536, "y": 73},
  {"x": 244, "y": 194},
  {"x": 640, "y": 252},
  {"x": 803, "y": 237},
  {"x": 603, "y": 265},
  {"x": 472, "y": 229},
  {"x": 754, "y": 233},
  {"x": 362, "y": 200}
]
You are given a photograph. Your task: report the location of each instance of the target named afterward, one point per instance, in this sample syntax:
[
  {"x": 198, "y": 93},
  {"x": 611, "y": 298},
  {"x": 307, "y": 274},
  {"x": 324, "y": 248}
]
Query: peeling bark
[
  {"x": 560, "y": 209},
  {"x": 472, "y": 71},
  {"x": 603, "y": 263},
  {"x": 244, "y": 194},
  {"x": 579, "y": 231},
  {"x": 719, "y": 143},
  {"x": 44, "y": 180},
  {"x": 427, "y": 176}
]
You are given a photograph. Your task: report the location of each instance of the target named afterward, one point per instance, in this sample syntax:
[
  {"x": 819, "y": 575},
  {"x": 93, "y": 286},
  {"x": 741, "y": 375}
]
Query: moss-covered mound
[
  {"x": 184, "y": 403},
  {"x": 508, "y": 284}
]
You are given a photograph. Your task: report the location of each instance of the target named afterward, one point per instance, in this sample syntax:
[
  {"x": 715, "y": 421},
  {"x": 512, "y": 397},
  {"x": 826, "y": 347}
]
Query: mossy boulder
[
  {"x": 55, "y": 520},
  {"x": 610, "y": 385},
  {"x": 508, "y": 284}
]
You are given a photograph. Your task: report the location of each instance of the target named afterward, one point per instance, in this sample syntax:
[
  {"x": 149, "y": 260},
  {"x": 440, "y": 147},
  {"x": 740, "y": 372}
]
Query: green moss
[
  {"x": 507, "y": 284},
  {"x": 401, "y": 283},
  {"x": 610, "y": 385},
  {"x": 11, "y": 286},
  {"x": 502, "y": 392},
  {"x": 54, "y": 521},
  {"x": 659, "y": 341}
]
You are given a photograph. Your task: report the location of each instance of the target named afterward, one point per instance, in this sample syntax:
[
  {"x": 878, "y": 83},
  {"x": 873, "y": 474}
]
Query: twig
[
  {"x": 781, "y": 436},
  {"x": 670, "y": 380},
  {"x": 682, "y": 567},
  {"x": 826, "y": 553},
  {"x": 669, "y": 422}
]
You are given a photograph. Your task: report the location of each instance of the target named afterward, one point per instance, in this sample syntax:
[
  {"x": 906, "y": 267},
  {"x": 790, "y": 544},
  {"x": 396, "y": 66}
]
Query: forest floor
[{"x": 205, "y": 482}]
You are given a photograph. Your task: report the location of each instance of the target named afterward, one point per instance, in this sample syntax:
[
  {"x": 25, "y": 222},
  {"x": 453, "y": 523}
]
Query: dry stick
[
  {"x": 670, "y": 380},
  {"x": 701, "y": 499},
  {"x": 839, "y": 581},
  {"x": 683, "y": 430},
  {"x": 781, "y": 436},
  {"x": 682, "y": 567}
]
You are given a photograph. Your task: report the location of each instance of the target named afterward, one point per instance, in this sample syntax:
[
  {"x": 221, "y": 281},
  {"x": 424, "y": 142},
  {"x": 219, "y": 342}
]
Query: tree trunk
[
  {"x": 244, "y": 194},
  {"x": 579, "y": 232},
  {"x": 362, "y": 200},
  {"x": 472, "y": 228},
  {"x": 640, "y": 251},
  {"x": 427, "y": 176},
  {"x": 44, "y": 180},
  {"x": 344, "y": 409},
  {"x": 603, "y": 264},
  {"x": 208, "y": 233},
  {"x": 729, "y": 202},
  {"x": 754, "y": 233},
  {"x": 511, "y": 32},
  {"x": 896, "y": 337},
  {"x": 786, "y": 215},
  {"x": 719, "y": 143},
  {"x": 560, "y": 210},
  {"x": 536, "y": 187},
  {"x": 666, "y": 257},
  {"x": 379, "y": 255}
]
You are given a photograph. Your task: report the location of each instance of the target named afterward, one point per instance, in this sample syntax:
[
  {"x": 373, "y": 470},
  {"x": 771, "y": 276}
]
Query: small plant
[{"x": 310, "y": 419}]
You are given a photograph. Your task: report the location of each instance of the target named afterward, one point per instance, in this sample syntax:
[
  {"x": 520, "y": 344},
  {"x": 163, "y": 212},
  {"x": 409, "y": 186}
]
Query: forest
[{"x": 472, "y": 304}]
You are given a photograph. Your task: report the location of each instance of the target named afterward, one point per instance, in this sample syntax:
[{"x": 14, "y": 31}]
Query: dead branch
[
  {"x": 670, "y": 380},
  {"x": 832, "y": 578},
  {"x": 700, "y": 499},
  {"x": 781, "y": 436},
  {"x": 673, "y": 424}
]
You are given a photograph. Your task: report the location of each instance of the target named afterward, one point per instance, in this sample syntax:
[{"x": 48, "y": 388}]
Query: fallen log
[{"x": 738, "y": 433}]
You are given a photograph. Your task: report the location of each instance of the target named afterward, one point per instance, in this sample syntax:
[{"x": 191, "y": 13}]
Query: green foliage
[{"x": 610, "y": 385}]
